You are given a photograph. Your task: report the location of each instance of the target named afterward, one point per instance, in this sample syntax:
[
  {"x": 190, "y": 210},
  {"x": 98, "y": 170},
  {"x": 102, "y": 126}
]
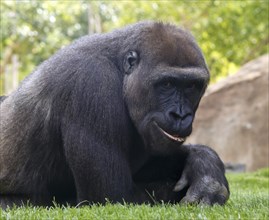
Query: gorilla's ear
[{"x": 130, "y": 61}]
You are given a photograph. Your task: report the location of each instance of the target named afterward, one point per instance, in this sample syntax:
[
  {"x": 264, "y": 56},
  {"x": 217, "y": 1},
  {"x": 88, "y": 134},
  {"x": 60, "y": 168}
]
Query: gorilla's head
[{"x": 165, "y": 78}]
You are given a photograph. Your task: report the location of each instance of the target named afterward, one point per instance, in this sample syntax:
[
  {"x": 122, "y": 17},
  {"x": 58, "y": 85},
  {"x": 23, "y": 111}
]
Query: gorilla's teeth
[{"x": 178, "y": 139}]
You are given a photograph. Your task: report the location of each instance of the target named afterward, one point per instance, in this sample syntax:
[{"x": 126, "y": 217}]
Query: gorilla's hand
[{"x": 203, "y": 174}]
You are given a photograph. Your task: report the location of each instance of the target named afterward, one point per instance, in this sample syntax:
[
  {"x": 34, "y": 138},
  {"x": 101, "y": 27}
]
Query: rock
[
  {"x": 235, "y": 167},
  {"x": 233, "y": 116}
]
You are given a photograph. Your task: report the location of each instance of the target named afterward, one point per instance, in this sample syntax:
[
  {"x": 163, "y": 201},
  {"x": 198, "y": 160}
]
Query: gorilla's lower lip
[
  {"x": 178, "y": 139},
  {"x": 173, "y": 137}
]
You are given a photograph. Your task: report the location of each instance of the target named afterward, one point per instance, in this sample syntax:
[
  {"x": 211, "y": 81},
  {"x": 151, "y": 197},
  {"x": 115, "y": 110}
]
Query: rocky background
[{"x": 233, "y": 117}]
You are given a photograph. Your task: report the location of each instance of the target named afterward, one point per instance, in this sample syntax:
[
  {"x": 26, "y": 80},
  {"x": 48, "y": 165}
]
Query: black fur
[{"x": 89, "y": 123}]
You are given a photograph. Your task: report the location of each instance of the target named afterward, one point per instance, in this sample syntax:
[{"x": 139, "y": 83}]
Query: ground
[{"x": 249, "y": 200}]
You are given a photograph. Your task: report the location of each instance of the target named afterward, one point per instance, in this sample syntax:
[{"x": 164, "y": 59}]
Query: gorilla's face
[
  {"x": 163, "y": 89},
  {"x": 177, "y": 95}
]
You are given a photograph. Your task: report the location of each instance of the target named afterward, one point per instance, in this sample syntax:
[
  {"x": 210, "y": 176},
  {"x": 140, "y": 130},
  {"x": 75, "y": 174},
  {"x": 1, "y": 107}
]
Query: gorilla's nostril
[{"x": 174, "y": 115}]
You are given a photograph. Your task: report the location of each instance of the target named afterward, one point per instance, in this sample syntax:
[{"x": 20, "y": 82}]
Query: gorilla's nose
[
  {"x": 181, "y": 122},
  {"x": 177, "y": 114},
  {"x": 174, "y": 115}
]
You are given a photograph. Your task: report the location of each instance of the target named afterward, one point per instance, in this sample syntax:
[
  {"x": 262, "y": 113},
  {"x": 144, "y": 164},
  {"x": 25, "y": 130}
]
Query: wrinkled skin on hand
[{"x": 203, "y": 174}]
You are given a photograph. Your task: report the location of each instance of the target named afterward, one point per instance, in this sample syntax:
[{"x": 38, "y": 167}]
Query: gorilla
[{"x": 105, "y": 118}]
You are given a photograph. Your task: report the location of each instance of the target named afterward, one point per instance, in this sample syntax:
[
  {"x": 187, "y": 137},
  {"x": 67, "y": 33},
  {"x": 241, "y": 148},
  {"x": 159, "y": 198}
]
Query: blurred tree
[
  {"x": 230, "y": 33},
  {"x": 35, "y": 29}
]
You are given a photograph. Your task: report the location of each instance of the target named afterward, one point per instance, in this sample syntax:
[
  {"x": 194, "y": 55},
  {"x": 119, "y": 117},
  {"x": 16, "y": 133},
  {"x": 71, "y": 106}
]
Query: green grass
[{"x": 249, "y": 200}]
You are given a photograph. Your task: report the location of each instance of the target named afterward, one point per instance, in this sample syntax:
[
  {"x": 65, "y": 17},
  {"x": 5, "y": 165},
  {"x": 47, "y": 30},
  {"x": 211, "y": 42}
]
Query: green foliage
[
  {"x": 262, "y": 173},
  {"x": 230, "y": 33},
  {"x": 249, "y": 200},
  {"x": 36, "y": 29}
]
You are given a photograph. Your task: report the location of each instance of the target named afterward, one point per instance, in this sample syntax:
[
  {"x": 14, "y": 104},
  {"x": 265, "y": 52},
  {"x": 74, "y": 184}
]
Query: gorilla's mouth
[{"x": 174, "y": 137}]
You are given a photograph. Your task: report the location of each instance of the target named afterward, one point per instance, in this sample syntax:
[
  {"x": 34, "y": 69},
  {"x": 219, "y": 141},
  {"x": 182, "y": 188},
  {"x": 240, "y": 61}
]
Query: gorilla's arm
[
  {"x": 159, "y": 176},
  {"x": 116, "y": 184},
  {"x": 199, "y": 170},
  {"x": 204, "y": 173}
]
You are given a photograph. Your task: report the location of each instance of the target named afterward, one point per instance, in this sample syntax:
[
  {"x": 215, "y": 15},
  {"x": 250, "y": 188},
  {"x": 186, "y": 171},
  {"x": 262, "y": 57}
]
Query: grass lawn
[{"x": 249, "y": 200}]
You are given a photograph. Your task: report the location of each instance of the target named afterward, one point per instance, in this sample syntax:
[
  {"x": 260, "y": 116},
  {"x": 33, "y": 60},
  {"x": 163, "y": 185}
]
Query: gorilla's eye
[
  {"x": 167, "y": 84},
  {"x": 130, "y": 60},
  {"x": 197, "y": 86}
]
